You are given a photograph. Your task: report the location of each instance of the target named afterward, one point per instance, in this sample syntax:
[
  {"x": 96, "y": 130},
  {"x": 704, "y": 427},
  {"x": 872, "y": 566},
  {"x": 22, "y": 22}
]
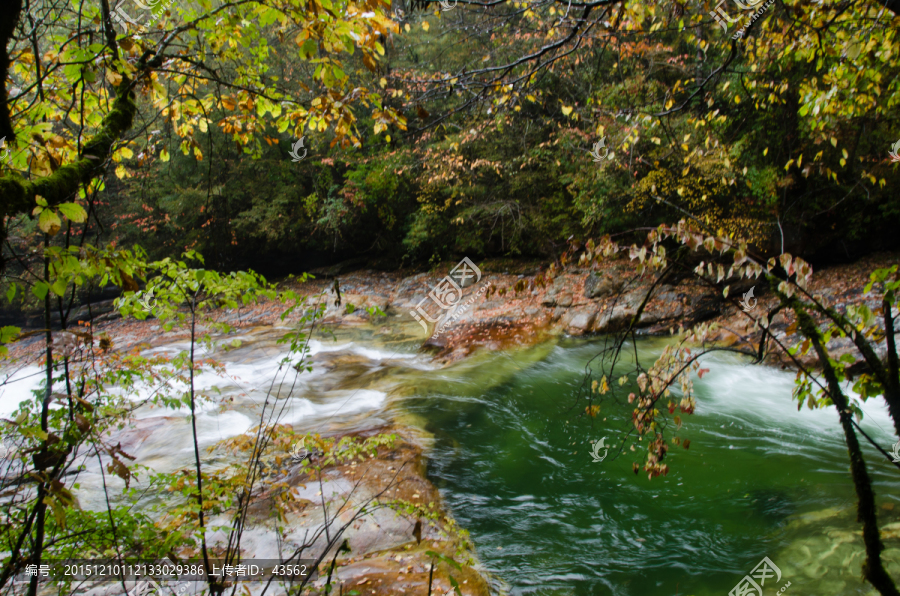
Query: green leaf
[
  {"x": 40, "y": 289},
  {"x": 308, "y": 50},
  {"x": 11, "y": 292},
  {"x": 455, "y": 585},
  {"x": 73, "y": 211},
  {"x": 49, "y": 222},
  {"x": 59, "y": 287},
  {"x": 8, "y": 333}
]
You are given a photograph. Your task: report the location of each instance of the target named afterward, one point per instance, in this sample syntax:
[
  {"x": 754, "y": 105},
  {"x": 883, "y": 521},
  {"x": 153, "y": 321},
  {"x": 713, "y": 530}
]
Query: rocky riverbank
[
  {"x": 517, "y": 308},
  {"x": 509, "y": 305}
]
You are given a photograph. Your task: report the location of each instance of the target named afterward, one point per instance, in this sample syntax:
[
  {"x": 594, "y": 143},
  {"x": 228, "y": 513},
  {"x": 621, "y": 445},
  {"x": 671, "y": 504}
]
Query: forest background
[{"x": 461, "y": 129}]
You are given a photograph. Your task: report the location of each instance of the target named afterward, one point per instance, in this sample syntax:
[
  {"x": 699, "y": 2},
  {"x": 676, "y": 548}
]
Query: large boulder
[
  {"x": 614, "y": 319},
  {"x": 580, "y": 320},
  {"x": 600, "y": 284}
]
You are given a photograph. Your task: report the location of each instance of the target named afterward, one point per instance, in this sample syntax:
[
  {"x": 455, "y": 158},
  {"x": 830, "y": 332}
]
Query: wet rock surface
[{"x": 384, "y": 551}]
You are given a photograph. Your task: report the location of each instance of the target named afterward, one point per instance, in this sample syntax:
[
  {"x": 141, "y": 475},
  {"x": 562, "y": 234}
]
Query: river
[{"x": 510, "y": 455}]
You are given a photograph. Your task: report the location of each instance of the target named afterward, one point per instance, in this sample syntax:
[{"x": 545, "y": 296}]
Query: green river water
[{"x": 511, "y": 459}]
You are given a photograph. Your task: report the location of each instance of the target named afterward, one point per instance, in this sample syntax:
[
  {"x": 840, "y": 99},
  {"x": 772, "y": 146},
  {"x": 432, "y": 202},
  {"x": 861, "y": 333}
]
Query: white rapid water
[
  {"x": 761, "y": 394},
  {"x": 310, "y": 401}
]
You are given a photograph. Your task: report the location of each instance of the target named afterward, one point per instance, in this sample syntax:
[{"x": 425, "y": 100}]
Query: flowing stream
[{"x": 511, "y": 457}]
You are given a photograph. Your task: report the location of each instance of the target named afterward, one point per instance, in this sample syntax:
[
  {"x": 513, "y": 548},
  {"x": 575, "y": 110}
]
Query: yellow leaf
[
  {"x": 164, "y": 155},
  {"x": 120, "y": 171},
  {"x": 113, "y": 77},
  {"x": 833, "y": 142},
  {"x": 737, "y": 99},
  {"x": 567, "y": 110},
  {"x": 425, "y": 25},
  {"x": 383, "y": 82},
  {"x": 126, "y": 152},
  {"x": 766, "y": 152}
]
